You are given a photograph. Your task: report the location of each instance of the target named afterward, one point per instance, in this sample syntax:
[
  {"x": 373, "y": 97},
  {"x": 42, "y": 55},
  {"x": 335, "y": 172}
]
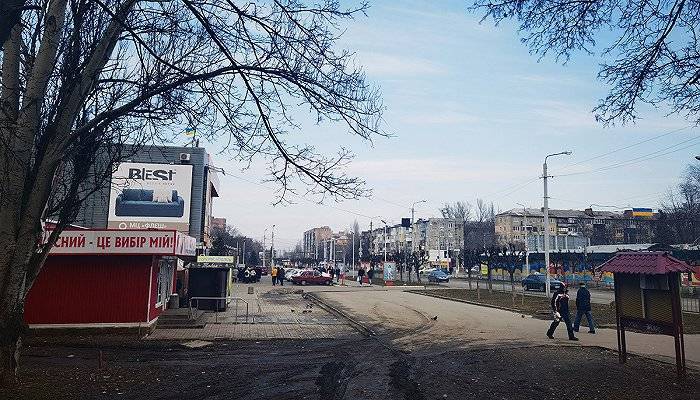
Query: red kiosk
[
  {"x": 107, "y": 278},
  {"x": 647, "y": 297}
]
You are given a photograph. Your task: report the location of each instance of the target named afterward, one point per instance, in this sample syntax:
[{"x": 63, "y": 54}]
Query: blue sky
[{"x": 473, "y": 114}]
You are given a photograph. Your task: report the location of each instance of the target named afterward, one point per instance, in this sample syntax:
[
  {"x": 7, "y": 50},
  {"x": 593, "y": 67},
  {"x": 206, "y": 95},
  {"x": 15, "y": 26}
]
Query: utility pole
[
  {"x": 264, "y": 247},
  {"x": 546, "y": 219},
  {"x": 371, "y": 241},
  {"x": 384, "y": 240},
  {"x": 413, "y": 228},
  {"x": 353, "y": 250},
  {"x": 272, "y": 248},
  {"x": 527, "y": 242}
]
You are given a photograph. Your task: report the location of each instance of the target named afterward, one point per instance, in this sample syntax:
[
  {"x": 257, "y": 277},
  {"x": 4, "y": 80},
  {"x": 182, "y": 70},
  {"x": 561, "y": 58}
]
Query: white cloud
[
  {"x": 396, "y": 66},
  {"x": 432, "y": 170}
]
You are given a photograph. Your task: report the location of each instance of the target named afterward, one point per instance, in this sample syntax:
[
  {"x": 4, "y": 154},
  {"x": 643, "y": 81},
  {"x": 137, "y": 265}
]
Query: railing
[
  {"x": 216, "y": 309},
  {"x": 690, "y": 304}
]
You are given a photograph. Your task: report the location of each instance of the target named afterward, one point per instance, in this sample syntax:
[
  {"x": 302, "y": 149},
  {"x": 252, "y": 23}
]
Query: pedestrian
[
  {"x": 280, "y": 275},
  {"x": 337, "y": 275},
  {"x": 560, "y": 313},
  {"x": 331, "y": 272},
  {"x": 360, "y": 275},
  {"x": 583, "y": 307},
  {"x": 370, "y": 275},
  {"x": 273, "y": 274}
]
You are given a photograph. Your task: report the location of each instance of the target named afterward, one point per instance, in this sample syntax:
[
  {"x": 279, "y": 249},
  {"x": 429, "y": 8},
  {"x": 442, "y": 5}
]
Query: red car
[{"x": 314, "y": 277}]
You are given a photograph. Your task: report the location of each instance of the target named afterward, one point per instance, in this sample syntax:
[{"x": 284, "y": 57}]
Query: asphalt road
[{"x": 408, "y": 318}]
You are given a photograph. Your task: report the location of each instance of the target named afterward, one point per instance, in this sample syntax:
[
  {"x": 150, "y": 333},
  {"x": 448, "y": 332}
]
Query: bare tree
[
  {"x": 654, "y": 57},
  {"x": 680, "y": 220},
  {"x": 81, "y": 78},
  {"x": 461, "y": 210}
]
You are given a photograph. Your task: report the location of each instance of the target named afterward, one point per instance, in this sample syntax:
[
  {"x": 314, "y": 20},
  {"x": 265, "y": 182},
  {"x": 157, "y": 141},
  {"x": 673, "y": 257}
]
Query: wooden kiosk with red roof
[{"x": 647, "y": 297}]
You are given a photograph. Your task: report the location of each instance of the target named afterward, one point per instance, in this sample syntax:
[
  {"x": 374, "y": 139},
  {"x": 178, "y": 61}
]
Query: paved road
[{"x": 407, "y": 318}]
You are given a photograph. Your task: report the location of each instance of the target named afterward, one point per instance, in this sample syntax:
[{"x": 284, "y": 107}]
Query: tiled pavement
[{"x": 275, "y": 313}]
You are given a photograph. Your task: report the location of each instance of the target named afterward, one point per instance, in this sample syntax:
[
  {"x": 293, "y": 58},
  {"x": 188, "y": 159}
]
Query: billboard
[
  {"x": 131, "y": 242},
  {"x": 150, "y": 196}
]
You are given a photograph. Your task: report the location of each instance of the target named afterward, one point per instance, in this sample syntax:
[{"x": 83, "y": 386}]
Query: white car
[{"x": 289, "y": 274}]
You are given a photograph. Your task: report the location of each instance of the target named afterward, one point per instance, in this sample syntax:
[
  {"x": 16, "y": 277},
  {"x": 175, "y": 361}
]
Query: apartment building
[
  {"x": 570, "y": 229},
  {"x": 312, "y": 242}
]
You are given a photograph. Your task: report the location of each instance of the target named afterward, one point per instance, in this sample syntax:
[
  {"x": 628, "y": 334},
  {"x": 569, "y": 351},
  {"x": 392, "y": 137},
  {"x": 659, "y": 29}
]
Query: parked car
[
  {"x": 291, "y": 272},
  {"x": 537, "y": 282},
  {"x": 264, "y": 271},
  {"x": 426, "y": 270},
  {"x": 438, "y": 276},
  {"x": 311, "y": 277}
]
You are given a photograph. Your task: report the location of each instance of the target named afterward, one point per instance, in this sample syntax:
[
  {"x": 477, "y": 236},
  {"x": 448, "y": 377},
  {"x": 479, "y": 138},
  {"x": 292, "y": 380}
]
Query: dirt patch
[
  {"x": 336, "y": 369},
  {"x": 402, "y": 379},
  {"x": 603, "y": 314}
]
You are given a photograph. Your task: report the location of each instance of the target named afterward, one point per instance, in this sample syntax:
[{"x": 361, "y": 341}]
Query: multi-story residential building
[
  {"x": 571, "y": 229},
  {"x": 442, "y": 238},
  {"x": 335, "y": 248},
  {"x": 312, "y": 242}
]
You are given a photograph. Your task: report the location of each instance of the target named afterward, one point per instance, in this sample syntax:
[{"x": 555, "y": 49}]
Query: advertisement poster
[
  {"x": 123, "y": 242},
  {"x": 389, "y": 271},
  {"x": 150, "y": 196}
]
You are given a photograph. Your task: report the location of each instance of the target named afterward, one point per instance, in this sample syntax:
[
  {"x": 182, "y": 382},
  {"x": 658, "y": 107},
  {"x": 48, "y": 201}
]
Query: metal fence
[
  {"x": 690, "y": 304},
  {"x": 216, "y": 310}
]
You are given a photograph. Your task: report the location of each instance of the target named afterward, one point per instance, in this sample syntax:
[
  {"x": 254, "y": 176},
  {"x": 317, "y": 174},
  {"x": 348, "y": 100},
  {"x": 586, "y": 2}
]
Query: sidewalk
[{"x": 275, "y": 313}]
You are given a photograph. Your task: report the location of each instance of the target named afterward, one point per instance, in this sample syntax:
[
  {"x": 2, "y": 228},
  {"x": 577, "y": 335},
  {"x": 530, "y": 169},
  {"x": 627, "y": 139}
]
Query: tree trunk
[{"x": 12, "y": 327}]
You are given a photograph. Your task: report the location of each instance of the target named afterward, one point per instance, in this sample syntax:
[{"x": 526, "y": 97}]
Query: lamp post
[
  {"x": 264, "y": 237},
  {"x": 527, "y": 243},
  {"x": 385, "y": 226},
  {"x": 272, "y": 248},
  {"x": 546, "y": 218}
]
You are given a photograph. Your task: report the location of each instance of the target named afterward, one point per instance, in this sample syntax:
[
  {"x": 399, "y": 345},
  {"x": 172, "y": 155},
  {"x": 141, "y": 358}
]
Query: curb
[
  {"x": 358, "y": 326},
  {"x": 475, "y": 303}
]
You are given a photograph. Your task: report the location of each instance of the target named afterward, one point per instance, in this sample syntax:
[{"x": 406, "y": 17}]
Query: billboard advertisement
[
  {"x": 150, "y": 196},
  {"x": 123, "y": 242}
]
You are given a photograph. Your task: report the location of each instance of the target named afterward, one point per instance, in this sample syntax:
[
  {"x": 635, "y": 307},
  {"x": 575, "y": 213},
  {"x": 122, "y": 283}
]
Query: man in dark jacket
[
  {"x": 280, "y": 275},
  {"x": 583, "y": 307},
  {"x": 360, "y": 275},
  {"x": 560, "y": 312}
]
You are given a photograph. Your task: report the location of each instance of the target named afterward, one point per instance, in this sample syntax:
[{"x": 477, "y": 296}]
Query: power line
[
  {"x": 636, "y": 160},
  {"x": 625, "y": 147}
]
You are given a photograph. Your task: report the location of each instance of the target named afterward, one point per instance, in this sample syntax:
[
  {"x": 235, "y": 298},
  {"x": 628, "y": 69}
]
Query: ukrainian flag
[
  {"x": 642, "y": 212},
  {"x": 190, "y": 132}
]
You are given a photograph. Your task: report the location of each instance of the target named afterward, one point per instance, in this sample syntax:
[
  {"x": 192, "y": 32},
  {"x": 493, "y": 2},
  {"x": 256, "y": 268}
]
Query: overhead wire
[{"x": 646, "y": 157}]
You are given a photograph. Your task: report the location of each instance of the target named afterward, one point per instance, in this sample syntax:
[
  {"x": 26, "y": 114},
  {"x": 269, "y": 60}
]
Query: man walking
[
  {"x": 583, "y": 306},
  {"x": 280, "y": 275},
  {"x": 360, "y": 275},
  {"x": 560, "y": 311},
  {"x": 273, "y": 274}
]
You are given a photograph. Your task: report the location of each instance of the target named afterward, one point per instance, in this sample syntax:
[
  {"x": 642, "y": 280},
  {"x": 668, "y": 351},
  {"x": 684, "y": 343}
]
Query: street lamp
[
  {"x": 527, "y": 243},
  {"x": 264, "y": 239},
  {"x": 413, "y": 228},
  {"x": 385, "y": 226},
  {"x": 272, "y": 248},
  {"x": 546, "y": 217}
]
